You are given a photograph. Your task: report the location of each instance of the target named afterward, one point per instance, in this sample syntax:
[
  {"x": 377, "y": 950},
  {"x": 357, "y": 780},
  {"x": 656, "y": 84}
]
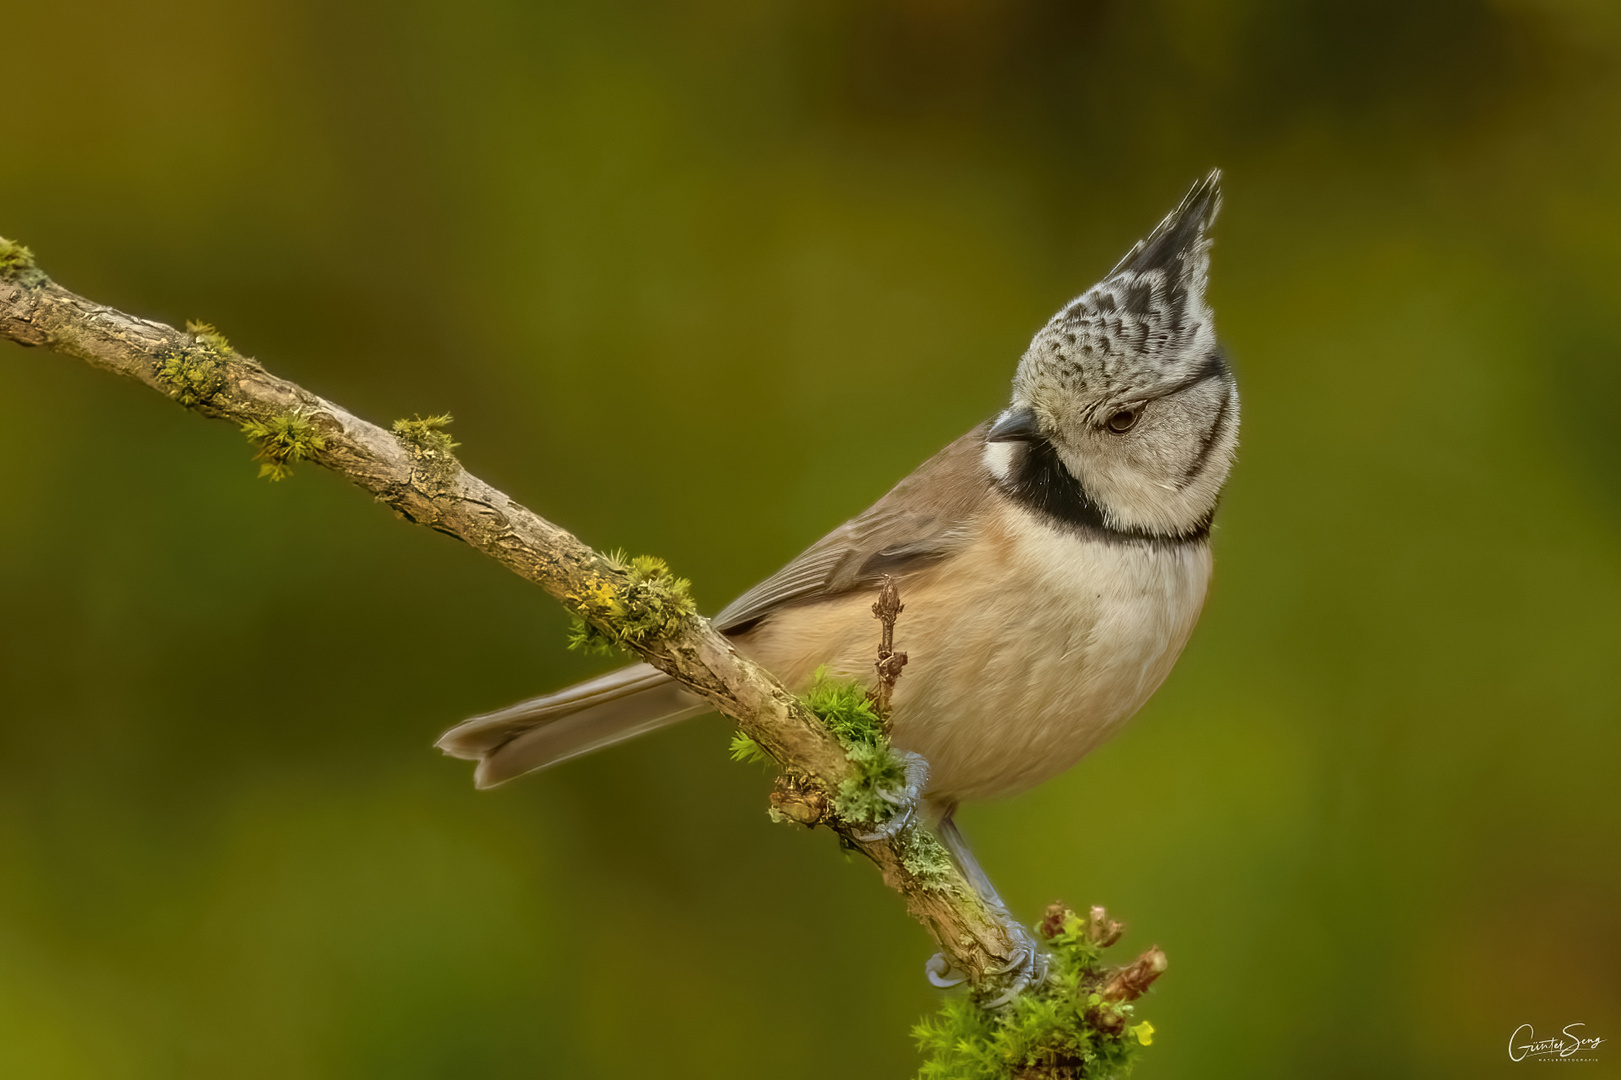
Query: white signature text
[{"x": 1525, "y": 1044}]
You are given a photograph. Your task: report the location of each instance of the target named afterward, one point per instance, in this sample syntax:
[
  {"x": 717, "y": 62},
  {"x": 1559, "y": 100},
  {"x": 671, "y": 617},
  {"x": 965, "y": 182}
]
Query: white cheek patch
[{"x": 999, "y": 459}]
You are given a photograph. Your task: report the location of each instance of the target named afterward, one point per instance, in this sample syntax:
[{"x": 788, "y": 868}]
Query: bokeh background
[{"x": 703, "y": 279}]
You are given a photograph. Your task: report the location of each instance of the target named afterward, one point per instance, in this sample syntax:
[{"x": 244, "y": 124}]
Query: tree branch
[{"x": 413, "y": 471}]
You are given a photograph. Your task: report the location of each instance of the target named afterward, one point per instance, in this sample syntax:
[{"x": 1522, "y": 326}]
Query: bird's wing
[{"x": 926, "y": 517}]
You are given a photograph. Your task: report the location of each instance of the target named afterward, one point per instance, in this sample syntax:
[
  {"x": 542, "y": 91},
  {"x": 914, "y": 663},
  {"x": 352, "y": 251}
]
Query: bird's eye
[{"x": 1122, "y": 421}]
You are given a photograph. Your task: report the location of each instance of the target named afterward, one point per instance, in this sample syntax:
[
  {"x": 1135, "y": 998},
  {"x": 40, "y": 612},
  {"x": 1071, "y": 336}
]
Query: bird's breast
[{"x": 1025, "y": 651}]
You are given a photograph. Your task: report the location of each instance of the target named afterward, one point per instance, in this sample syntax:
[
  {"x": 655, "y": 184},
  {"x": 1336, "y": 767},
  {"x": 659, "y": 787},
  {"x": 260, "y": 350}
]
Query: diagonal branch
[{"x": 413, "y": 471}]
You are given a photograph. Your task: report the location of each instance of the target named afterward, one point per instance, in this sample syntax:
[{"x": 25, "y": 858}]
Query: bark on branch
[{"x": 425, "y": 484}]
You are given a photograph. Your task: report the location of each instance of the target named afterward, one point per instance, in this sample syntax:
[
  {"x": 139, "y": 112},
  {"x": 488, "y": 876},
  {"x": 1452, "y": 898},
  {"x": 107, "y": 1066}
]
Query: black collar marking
[{"x": 1040, "y": 483}]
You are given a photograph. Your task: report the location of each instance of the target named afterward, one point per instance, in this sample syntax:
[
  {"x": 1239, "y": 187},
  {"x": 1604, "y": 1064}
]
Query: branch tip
[{"x": 1133, "y": 980}]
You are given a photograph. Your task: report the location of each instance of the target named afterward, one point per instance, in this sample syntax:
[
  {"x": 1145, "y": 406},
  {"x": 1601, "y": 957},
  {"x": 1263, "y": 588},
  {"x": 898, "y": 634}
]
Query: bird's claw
[
  {"x": 940, "y": 972},
  {"x": 905, "y": 800},
  {"x": 891, "y": 828},
  {"x": 1027, "y": 967}
]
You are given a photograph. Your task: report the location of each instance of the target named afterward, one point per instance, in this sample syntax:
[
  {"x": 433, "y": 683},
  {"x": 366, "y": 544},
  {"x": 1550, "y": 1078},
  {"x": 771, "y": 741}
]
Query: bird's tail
[{"x": 543, "y": 731}]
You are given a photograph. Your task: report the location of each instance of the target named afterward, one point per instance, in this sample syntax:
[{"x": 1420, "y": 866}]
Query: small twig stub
[{"x": 886, "y": 610}]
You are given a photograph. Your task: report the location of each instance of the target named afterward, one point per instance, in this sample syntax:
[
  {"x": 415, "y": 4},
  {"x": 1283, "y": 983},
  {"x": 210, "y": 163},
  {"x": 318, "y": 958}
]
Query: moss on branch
[
  {"x": 1076, "y": 1026},
  {"x": 846, "y": 708},
  {"x": 427, "y": 439},
  {"x": 640, "y": 603},
  {"x": 927, "y": 860},
  {"x": 748, "y": 751},
  {"x": 194, "y": 371},
  {"x": 17, "y": 264},
  {"x": 850, "y": 713},
  {"x": 282, "y": 440}
]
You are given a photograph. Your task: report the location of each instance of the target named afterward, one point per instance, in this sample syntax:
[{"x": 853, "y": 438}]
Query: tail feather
[{"x": 544, "y": 731}]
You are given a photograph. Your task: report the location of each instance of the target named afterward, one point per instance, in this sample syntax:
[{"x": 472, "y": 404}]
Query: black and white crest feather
[{"x": 1144, "y": 325}]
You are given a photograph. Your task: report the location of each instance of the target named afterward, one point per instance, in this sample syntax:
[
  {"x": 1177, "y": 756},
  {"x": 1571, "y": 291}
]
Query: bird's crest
[{"x": 1144, "y": 323}]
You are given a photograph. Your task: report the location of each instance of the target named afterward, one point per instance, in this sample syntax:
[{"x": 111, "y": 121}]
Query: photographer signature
[{"x": 1565, "y": 1044}]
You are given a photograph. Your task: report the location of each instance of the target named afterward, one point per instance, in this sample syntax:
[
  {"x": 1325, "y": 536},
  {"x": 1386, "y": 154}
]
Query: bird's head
[{"x": 1123, "y": 400}]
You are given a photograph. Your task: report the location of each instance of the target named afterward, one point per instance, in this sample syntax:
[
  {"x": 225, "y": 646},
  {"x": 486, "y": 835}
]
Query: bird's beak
[{"x": 1018, "y": 424}]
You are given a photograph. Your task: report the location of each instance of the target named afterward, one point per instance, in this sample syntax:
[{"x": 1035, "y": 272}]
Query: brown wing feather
[{"x": 926, "y": 517}]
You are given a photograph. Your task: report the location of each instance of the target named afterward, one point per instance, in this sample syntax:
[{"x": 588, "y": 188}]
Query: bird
[{"x": 1053, "y": 561}]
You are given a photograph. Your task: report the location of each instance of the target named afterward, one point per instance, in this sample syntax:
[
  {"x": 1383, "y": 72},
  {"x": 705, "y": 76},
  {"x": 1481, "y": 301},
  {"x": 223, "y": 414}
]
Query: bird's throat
[{"x": 1033, "y": 475}]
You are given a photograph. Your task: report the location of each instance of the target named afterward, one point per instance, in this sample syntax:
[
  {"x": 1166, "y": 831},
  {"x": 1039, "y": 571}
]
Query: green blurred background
[{"x": 702, "y": 279}]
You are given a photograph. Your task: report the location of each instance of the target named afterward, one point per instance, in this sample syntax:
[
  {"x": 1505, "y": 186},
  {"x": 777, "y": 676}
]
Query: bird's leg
[
  {"x": 905, "y": 799},
  {"x": 957, "y": 844},
  {"x": 1028, "y": 964}
]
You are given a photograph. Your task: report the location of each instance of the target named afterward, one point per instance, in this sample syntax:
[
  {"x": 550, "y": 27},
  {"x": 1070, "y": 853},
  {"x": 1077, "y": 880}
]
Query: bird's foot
[
  {"x": 1026, "y": 967},
  {"x": 905, "y": 800}
]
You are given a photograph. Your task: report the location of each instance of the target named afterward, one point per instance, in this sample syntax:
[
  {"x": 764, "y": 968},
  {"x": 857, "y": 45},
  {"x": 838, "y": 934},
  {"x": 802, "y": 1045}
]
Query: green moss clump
[
  {"x": 190, "y": 379},
  {"x": 195, "y": 372},
  {"x": 859, "y": 797},
  {"x": 748, "y": 751},
  {"x": 645, "y": 603},
  {"x": 1049, "y": 1032},
  {"x": 429, "y": 442},
  {"x": 209, "y": 338},
  {"x": 17, "y": 264},
  {"x": 282, "y": 440},
  {"x": 587, "y": 638},
  {"x": 843, "y": 705}
]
